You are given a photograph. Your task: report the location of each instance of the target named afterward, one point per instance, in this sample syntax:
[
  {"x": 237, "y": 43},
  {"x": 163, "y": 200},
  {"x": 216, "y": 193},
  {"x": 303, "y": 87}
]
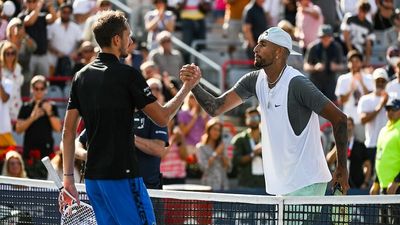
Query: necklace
[{"x": 279, "y": 77}]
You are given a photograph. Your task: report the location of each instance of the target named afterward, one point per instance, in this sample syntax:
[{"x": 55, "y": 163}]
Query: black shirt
[
  {"x": 106, "y": 93},
  {"x": 254, "y": 14},
  {"x": 37, "y": 31},
  {"x": 39, "y": 134}
]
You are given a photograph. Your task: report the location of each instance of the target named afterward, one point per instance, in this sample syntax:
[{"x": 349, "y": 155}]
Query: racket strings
[{"x": 79, "y": 215}]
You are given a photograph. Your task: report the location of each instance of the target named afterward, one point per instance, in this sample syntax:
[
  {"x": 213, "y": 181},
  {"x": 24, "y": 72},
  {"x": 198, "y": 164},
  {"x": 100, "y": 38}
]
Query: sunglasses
[
  {"x": 13, "y": 53},
  {"x": 39, "y": 88}
]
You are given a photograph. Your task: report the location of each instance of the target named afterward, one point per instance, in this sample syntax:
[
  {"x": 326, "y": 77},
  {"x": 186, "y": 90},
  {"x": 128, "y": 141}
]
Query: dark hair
[
  {"x": 364, "y": 6},
  {"x": 66, "y": 5},
  {"x": 109, "y": 24},
  {"x": 157, "y": 1},
  {"x": 252, "y": 109}
]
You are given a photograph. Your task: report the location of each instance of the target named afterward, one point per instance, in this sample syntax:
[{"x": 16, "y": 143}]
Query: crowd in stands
[{"x": 44, "y": 43}]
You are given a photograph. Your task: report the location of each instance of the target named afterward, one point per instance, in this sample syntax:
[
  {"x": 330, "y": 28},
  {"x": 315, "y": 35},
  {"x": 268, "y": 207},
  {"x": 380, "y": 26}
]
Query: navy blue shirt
[{"x": 149, "y": 166}]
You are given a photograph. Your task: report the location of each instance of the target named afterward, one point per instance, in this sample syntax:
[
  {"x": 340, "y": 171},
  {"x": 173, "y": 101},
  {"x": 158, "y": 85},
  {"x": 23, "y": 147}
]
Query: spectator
[
  {"x": 13, "y": 165},
  {"x": 150, "y": 141},
  {"x": 323, "y": 60},
  {"x": 296, "y": 61},
  {"x": 37, "y": 15},
  {"x": 392, "y": 58},
  {"x": 308, "y": 19},
  {"x": 272, "y": 9},
  {"x": 149, "y": 69},
  {"x": 173, "y": 164},
  {"x": 392, "y": 34},
  {"x": 25, "y": 45},
  {"x": 6, "y": 137},
  {"x": 193, "y": 23},
  {"x": 359, "y": 164},
  {"x": 157, "y": 20},
  {"x": 192, "y": 122},
  {"x": 372, "y": 114},
  {"x": 290, "y": 10},
  {"x": 38, "y": 119},
  {"x": 388, "y": 160},
  {"x": 247, "y": 154},
  {"x": 11, "y": 70},
  {"x": 330, "y": 13},
  {"x": 350, "y": 7},
  {"x": 351, "y": 86},
  {"x": 82, "y": 10},
  {"x": 254, "y": 23},
  {"x": 358, "y": 32},
  {"x": 233, "y": 22},
  {"x": 135, "y": 57},
  {"x": 87, "y": 53},
  {"x": 167, "y": 59},
  {"x": 212, "y": 156},
  {"x": 393, "y": 87},
  {"x": 102, "y": 5},
  {"x": 64, "y": 38},
  {"x": 382, "y": 19}
]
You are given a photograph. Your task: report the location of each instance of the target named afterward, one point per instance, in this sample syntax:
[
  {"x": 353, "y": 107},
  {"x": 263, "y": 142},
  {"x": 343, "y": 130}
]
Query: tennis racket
[{"x": 72, "y": 214}]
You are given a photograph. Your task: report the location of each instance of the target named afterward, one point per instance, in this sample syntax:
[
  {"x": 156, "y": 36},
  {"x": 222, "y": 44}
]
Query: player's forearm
[
  {"x": 207, "y": 101},
  {"x": 150, "y": 146},
  {"x": 340, "y": 134},
  {"x": 68, "y": 141},
  {"x": 173, "y": 105}
]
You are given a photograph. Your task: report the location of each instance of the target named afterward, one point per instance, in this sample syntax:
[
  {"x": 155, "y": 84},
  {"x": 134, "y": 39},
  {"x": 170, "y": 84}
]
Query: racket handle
[{"x": 52, "y": 172}]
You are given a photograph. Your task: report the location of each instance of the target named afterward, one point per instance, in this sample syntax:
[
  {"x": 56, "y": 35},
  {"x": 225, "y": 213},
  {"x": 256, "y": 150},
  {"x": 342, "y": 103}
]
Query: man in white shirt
[
  {"x": 372, "y": 112},
  {"x": 351, "y": 86},
  {"x": 293, "y": 159},
  {"x": 393, "y": 87}
]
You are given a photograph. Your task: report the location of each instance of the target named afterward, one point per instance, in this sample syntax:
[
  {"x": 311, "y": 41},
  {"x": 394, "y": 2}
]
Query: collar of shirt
[{"x": 107, "y": 57}]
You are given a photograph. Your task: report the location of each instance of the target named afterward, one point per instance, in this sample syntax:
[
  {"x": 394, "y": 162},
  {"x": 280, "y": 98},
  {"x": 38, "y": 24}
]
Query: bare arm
[
  {"x": 80, "y": 151},
  {"x": 161, "y": 115},
  {"x": 347, "y": 40},
  {"x": 31, "y": 18},
  {"x": 52, "y": 15},
  {"x": 154, "y": 147},
  {"x": 68, "y": 140},
  {"x": 3, "y": 94},
  {"x": 339, "y": 123},
  {"x": 215, "y": 106},
  {"x": 248, "y": 35}
]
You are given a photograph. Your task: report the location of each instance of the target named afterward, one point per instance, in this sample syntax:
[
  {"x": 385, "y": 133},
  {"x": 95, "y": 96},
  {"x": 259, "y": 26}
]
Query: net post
[{"x": 281, "y": 206}]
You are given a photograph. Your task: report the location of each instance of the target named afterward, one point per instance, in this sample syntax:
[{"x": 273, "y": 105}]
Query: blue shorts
[{"x": 120, "y": 202}]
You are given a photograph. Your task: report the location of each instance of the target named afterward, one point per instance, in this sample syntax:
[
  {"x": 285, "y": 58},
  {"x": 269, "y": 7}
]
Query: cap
[
  {"x": 163, "y": 35},
  {"x": 393, "y": 103},
  {"x": 39, "y": 78},
  {"x": 279, "y": 37},
  {"x": 354, "y": 53},
  {"x": 392, "y": 51},
  {"x": 8, "y": 8},
  {"x": 82, "y": 6},
  {"x": 325, "y": 30},
  {"x": 380, "y": 73}
]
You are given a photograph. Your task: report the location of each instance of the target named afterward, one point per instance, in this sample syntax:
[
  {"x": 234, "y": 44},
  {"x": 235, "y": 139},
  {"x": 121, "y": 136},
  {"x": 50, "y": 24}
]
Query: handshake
[{"x": 190, "y": 74}]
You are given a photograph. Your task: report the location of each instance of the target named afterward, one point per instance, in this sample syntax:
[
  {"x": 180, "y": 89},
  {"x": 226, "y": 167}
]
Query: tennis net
[{"x": 26, "y": 201}]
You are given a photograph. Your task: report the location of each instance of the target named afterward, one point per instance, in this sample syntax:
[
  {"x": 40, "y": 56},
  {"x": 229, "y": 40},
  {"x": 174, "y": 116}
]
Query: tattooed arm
[
  {"x": 339, "y": 123},
  {"x": 216, "y": 105}
]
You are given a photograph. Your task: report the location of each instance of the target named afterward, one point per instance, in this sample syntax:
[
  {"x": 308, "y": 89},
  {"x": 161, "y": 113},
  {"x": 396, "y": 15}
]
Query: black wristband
[{"x": 68, "y": 174}]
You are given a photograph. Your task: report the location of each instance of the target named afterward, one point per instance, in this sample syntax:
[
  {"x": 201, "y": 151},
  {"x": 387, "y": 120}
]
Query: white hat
[
  {"x": 82, "y": 6},
  {"x": 8, "y": 8},
  {"x": 380, "y": 73},
  {"x": 279, "y": 37}
]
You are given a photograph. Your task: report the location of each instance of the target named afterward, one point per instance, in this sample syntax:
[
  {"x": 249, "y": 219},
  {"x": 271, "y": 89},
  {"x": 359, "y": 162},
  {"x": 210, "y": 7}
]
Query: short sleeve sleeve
[
  {"x": 140, "y": 91},
  {"x": 73, "y": 101},
  {"x": 246, "y": 86}
]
